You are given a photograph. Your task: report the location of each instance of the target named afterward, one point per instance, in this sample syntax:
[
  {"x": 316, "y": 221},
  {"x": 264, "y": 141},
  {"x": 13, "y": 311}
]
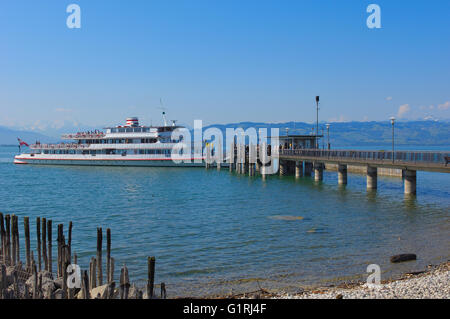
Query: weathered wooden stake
[
  {"x": 111, "y": 287},
  {"x": 35, "y": 283},
  {"x": 151, "y": 276},
  {"x": 8, "y": 240},
  {"x": 44, "y": 243},
  {"x": 3, "y": 281},
  {"x": 99, "y": 257},
  {"x": 108, "y": 255},
  {"x": 92, "y": 273},
  {"x": 17, "y": 241},
  {"x": 16, "y": 285},
  {"x": 26, "y": 226},
  {"x": 3, "y": 238},
  {"x": 65, "y": 264},
  {"x": 38, "y": 244},
  {"x": 39, "y": 283},
  {"x": 69, "y": 242},
  {"x": 13, "y": 232},
  {"x": 49, "y": 236},
  {"x": 85, "y": 286},
  {"x": 111, "y": 272},
  {"x": 60, "y": 243},
  {"x": 124, "y": 283},
  {"x": 2, "y": 228},
  {"x": 163, "y": 291}
]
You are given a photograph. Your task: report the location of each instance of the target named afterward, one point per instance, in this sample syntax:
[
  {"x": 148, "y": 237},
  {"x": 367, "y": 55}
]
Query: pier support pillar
[
  {"x": 283, "y": 167},
  {"x": 371, "y": 178},
  {"x": 263, "y": 174},
  {"x": 318, "y": 172},
  {"x": 298, "y": 169},
  {"x": 251, "y": 169},
  {"x": 410, "y": 180},
  {"x": 342, "y": 174},
  {"x": 231, "y": 167},
  {"x": 218, "y": 164},
  {"x": 291, "y": 167},
  {"x": 257, "y": 167},
  {"x": 308, "y": 168}
]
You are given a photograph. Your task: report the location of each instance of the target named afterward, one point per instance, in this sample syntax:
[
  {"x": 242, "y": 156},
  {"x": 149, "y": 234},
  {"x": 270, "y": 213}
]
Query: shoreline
[{"x": 430, "y": 283}]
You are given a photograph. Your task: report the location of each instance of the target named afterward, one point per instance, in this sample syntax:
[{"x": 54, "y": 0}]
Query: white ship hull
[{"x": 104, "y": 160}]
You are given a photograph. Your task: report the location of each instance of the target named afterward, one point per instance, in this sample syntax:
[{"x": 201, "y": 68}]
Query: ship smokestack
[{"x": 132, "y": 122}]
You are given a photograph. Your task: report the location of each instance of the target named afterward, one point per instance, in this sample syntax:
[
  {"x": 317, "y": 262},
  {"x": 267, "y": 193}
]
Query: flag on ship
[{"x": 22, "y": 142}]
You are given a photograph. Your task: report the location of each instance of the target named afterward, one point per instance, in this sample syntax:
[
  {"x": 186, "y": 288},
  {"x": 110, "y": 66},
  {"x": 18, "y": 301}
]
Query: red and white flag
[{"x": 22, "y": 142}]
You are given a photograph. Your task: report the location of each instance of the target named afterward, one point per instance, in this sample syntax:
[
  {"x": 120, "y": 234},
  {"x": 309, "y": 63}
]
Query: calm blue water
[{"x": 214, "y": 231}]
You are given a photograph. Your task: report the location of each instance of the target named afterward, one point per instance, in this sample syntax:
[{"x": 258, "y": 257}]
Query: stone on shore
[{"x": 403, "y": 257}]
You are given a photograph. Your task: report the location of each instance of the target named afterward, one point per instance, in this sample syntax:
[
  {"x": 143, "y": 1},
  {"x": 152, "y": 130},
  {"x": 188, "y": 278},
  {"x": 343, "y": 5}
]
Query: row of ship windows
[
  {"x": 108, "y": 152},
  {"x": 128, "y": 141},
  {"x": 139, "y": 129}
]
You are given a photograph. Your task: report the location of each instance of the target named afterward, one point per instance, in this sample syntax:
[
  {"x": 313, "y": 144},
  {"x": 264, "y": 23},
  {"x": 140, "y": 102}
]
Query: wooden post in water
[
  {"x": 85, "y": 286},
  {"x": 92, "y": 273},
  {"x": 151, "y": 277},
  {"x": 3, "y": 281},
  {"x": 17, "y": 241},
  {"x": 38, "y": 242},
  {"x": 13, "y": 233},
  {"x": 3, "y": 238},
  {"x": 59, "y": 250},
  {"x": 69, "y": 242},
  {"x": 35, "y": 283},
  {"x": 49, "y": 237},
  {"x": 108, "y": 255},
  {"x": 44, "y": 243},
  {"x": 65, "y": 265},
  {"x": 26, "y": 225},
  {"x": 63, "y": 272},
  {"x": 99, "y": 257},
  {"x": 111, "y": 272},
  {"x": 124, "y": 283},
  {"x": 8, "y": 240},
  {"x": 163, "y": 291}
]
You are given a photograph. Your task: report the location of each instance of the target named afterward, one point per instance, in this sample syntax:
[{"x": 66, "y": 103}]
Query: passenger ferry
[{"x": 127, "y": 145}]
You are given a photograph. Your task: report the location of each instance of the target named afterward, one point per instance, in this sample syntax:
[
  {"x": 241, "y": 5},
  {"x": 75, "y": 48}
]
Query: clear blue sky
[{"x": 222, "y": 61}]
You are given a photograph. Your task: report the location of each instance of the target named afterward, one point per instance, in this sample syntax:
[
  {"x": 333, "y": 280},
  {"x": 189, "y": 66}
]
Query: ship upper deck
[{"x": 126, "y": 131}]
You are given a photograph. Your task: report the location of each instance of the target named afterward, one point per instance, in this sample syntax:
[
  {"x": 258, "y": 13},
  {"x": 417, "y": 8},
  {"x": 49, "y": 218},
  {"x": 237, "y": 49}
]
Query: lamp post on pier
[
  {"x": 392, "y": 123},
  {"x": 317, "y": 122},
  {"x": 328, "y": 135}
]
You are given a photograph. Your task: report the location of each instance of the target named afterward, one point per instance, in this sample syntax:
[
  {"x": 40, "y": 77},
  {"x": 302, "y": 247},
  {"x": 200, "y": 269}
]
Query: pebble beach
[{"x": 434, "y": 283}]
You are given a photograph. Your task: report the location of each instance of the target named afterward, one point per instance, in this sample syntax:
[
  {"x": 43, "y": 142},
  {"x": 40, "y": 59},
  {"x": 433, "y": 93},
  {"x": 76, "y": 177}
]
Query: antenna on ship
[
  {"x": 174, "y": 122},
  {"x": 163, "y": 111}
]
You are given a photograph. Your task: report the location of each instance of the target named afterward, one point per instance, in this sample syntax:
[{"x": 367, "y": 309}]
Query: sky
[{"x": 222, "y": 61}]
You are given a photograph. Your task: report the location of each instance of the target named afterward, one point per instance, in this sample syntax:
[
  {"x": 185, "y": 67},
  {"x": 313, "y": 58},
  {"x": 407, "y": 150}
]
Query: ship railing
[
  {"x": 83, "y": 135},
  {"x": 59, "y": 146}
]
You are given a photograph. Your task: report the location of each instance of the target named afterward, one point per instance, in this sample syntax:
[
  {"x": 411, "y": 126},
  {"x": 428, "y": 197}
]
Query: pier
[
  {"x": 408, "y": 162},
  {"x": 312, "y": 162}
]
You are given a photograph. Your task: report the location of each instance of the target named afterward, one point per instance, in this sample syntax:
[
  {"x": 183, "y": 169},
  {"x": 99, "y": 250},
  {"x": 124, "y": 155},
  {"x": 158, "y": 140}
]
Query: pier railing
[{"x": 358, "y": 155}]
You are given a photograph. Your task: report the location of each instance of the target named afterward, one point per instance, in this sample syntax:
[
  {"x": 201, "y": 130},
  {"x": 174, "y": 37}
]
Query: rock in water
[{"x": 403, "y": 257}]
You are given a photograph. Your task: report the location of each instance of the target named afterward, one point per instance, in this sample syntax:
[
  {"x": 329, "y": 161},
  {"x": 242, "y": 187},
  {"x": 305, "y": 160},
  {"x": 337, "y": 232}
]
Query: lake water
[{"x": 213, "y": 232}]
